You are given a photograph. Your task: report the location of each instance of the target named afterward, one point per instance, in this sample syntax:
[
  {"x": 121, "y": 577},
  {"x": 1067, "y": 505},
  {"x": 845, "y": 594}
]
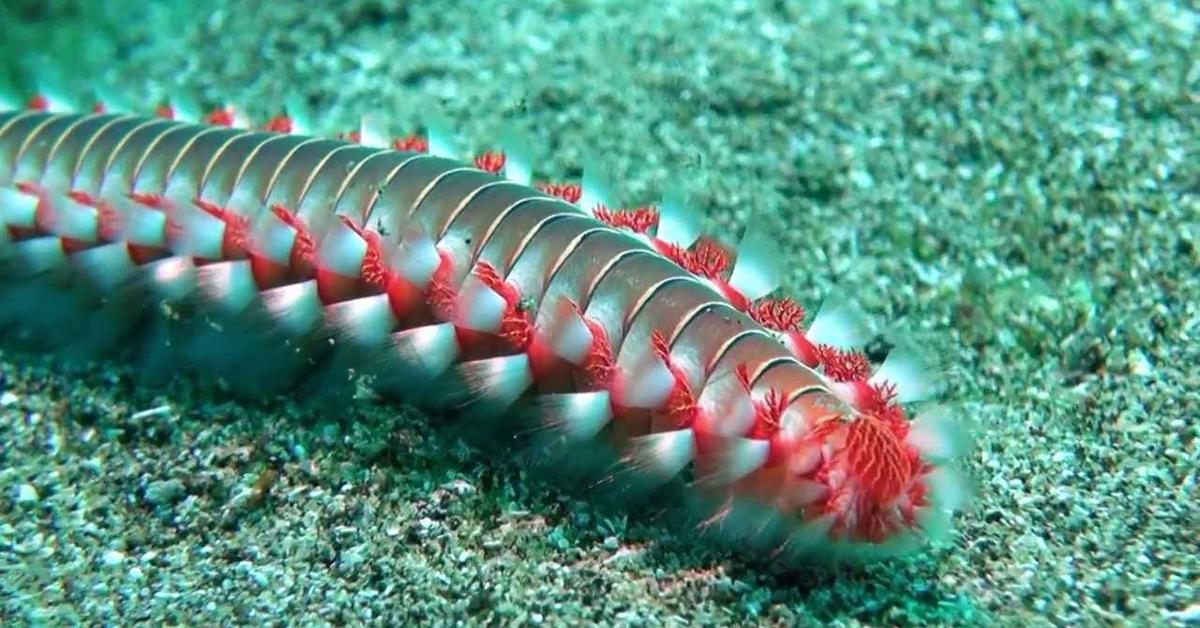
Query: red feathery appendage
[
  {"x": 843, "y": 366},
  {"x": 237, "y": 228},
  {"x": 441, "y": 294},
  {"x": 778, "y": 313},
  {"x": 280, "y": 123},
  {"x": 515, "y": 327},
  {"x": 412, "y": 143},
  {"x": 598, "y": 366},
  {"x": 680, "y": 407},
  {"x": 490, "y": 161},
  {"x": 304, "y": 248},
  {"x": 220, "y": 116},
  {"x": 637, "y": 220},
  {"x": 568, "y": 192}
]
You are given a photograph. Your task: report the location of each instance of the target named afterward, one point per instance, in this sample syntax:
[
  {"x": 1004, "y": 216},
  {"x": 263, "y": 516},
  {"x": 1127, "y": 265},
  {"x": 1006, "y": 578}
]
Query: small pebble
[
  {"x": 25, "y": 495},
  {"x": 112, "y": 558},
  {"x": 164, "y": 492}
]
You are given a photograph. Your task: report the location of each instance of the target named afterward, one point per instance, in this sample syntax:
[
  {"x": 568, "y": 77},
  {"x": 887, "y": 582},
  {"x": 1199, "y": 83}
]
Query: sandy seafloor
[{"x": 1011, "y": 185}]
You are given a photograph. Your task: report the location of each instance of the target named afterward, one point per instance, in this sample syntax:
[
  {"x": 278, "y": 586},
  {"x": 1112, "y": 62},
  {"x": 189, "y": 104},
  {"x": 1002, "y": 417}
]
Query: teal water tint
[{"x": 1010, "y": 185}]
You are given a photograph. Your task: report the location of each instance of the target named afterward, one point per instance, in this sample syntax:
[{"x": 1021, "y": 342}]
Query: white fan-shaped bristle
[
  {"x": 71, "y": 219},
  {"x": 596, "y": 187},
  {"x": 59, "y": 98},
  {"x": 365, "y": 322},
  {"x": 421, "y": 353},
  {"x": 661, "y": 456},
  {"x": 275, "y": 239},
  {"x": 840, "y": 322},
  {"x": 479, "y": 308},
  {"x": 647, "y": 385},
  {"x": 416, "y": 259},
  {"x": 809, "y": 536},
  {"x": 758, "y": 269},
  {"x": 40, "y": 255},
  {"x": 734, "y": 416},
  {"x": 935, "y": 523},
  {"x": 173, "y": 279},
  {"x": 228, "y": 285},
  {"x": 441, "y": 136},
  {"x": 938, "y": 435},
  {"x": 200, "y": 234},
  {"x": 495, "y": 382},
  {"x": 678, "y": 222},
  {"x": 518, "y": 156},
  {"x": 296, "y": 307},
  {"x": 578, "y": 417},
  {"x": 568, "y": 335},
  {"x": 948, "y": 488},
  {"x": 905, "y": 368},
  {"x": 140, "y": 224},
  {"x": 301, "y": 116},
  {"x": 186, "y": 108},
  {"x": 342, "y": 250},
  {"x": 17, "y": 209},
  {"x": 372, "y": 131},
  {"x": 735, "y": 459},
  {"x": 805, "y": 492},
  {"x": 107, "y": 265}
]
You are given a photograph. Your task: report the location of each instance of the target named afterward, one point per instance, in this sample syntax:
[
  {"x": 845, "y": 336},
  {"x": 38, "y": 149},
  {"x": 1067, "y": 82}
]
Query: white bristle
[
  {"x": 736, "y": 458},
  {"x": 937, "y": 435},
  {"x": 805, "y": 459},
  {"x": 596, "y": 189},
  {"x": 568, "y": 335},
  {"x": 495, "y": 382},
  {"x": 186, "y": 109},
  {"x": 757, "y": 271},
  {"x": 367, "y": 321},
  {"x": 422, "y": 352},
  {"x": 39, "y": 255},
  {"x": 578, "y": 417},
  {"x": 648, "y": 384},
  {"x": 479, "y": 307},
  {"x": 372, "y": 131},
  {"x": 803, "y": 492},
  {"x": 342, "y": 250},
  {"x": 416, "y": 259},
  {"x": 17, "y": 208},
  {"x": 275, "y": 239},
  {"x": 809, "y": 535},
  {"x": 107, "y": 265},
  {"x": 140, "y": 224},
  {"x": 441, "y": 136},
  {"x": 518, "y": 157},
  {"x": 228, "y": 285},
  {"x": 661, "y": 456},
  {"x": 71, "y": 219},
  {"x": 905, "y": 368},
  {"x": 840, "y": 322},
  {"x": 200, "y": 234},
  {"x": 678, "y": 222},
  {"x": 172, "y": 278},
  {"x": 297, "y": 110},
  {"x": 734, "y": 413},
  {"x": 948, "y": 488},
  {"x": 296, "y": 307}
]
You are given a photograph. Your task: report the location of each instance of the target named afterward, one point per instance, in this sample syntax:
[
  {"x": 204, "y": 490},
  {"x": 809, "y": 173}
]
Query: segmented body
[{"x": 496, "y": 295}]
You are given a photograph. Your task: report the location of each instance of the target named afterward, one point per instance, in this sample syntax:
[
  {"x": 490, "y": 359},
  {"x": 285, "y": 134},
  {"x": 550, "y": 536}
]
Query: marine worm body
[{"x": 470, "y": 291}]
